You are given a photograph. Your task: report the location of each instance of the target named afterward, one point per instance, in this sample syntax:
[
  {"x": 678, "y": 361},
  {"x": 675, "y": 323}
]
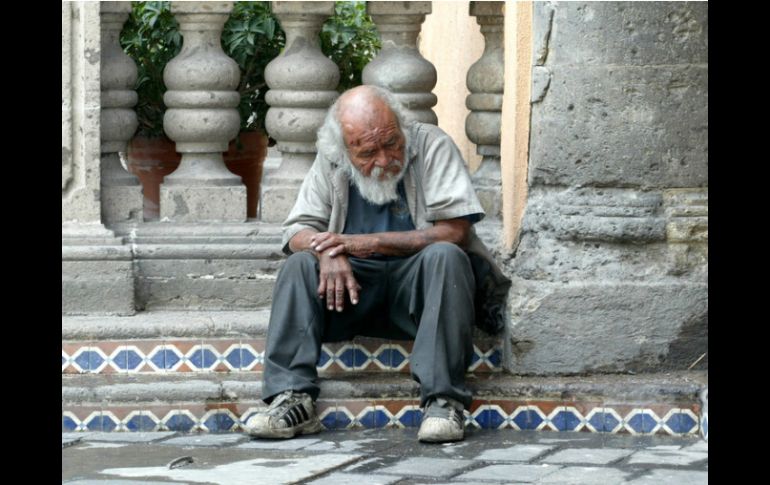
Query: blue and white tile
[
  {"x": 409, "y": 416},
  {"x": 127, "y": 358},
  {"x": 180, "y": 420},
  {"x": 566, "y": 418},
  {"x": 203, "y": 358},
  {"x": 376, "y": 416},
  {"x": 642, "y": 421},
  {"x": 219, "y": 420},
  {"x": 141, "y": 420},
  {"x": 528, "y": 417},
  {"x": 603, "y": 420},
  {"x": 250, "y": 357},
  {"x": 89, "y": 360},
  {"x": 679, "y": 421}
]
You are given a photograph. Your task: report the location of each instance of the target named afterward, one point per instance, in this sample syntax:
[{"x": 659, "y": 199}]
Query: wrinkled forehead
[{"x": 360, "y": 125}]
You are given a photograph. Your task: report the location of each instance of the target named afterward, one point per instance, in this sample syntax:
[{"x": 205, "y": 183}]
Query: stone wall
[{"x": 611, "y": 270}]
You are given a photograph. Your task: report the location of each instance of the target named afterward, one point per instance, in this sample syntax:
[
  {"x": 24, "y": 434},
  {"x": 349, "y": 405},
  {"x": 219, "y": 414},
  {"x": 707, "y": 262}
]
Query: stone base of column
[
  {"x": 122, "y": 203},
  {"x": 97, "y": 272},
  {"x": 491, "y": 200},
  {"x": 599, "y": 284},
  {"x": 282, "y": 178},
  {"x": 217, "y": 266},
  {"x": 203, "y": 204},
  {"x": 487, "y": 182},
  {"x": 278, "y": 200}
]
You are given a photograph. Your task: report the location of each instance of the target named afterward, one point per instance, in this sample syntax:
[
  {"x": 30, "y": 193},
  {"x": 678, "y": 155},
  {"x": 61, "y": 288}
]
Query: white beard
[{"x": 372, "y": 189}]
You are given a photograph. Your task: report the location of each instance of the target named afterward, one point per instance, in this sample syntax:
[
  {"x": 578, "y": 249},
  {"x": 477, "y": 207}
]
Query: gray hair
[{"x": 329, "y": 141}]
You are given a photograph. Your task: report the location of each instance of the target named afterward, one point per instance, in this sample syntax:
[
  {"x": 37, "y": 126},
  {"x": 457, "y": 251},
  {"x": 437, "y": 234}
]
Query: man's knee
[
  {"x": 446, "y": 251},
  {"x": 300, "y": 263}
]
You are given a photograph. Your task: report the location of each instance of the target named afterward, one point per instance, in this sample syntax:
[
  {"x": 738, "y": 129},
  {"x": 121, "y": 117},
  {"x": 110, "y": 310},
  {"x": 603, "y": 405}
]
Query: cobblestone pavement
[{"x": 386, "y": 456}]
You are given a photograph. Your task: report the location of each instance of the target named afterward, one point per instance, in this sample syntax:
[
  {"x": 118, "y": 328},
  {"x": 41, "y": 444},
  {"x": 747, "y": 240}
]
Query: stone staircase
[{"x": 201, "y": 371}]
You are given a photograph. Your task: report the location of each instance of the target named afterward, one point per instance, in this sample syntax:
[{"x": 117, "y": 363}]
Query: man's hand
[
  {"x": 336, "y": 276},
  {"x": 356, "y": 245}
]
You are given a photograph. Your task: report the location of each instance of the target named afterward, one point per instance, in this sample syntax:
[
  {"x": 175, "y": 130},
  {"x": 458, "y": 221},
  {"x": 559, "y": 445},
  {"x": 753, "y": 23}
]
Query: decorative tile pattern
[
  {"x": 225, "y": 355},
  {"x": 642, "y": 421},
  {"x": 603, "y": 420},
  {"x": 566, "y": 418},
  {"x": 401, "y": 413},
  {"x": 680, "y": 422}
]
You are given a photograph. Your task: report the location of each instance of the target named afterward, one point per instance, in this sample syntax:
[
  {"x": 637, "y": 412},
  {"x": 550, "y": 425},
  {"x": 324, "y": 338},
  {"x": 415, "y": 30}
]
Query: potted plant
[
  {"x": 151, "y": 38},
  {"x": 252, "y": 37}
]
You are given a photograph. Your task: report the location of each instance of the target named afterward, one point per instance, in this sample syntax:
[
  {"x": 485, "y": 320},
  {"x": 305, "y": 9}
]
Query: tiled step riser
[
  {"x": 236, "y": 355},
  {"x": 365, "y": 414}
]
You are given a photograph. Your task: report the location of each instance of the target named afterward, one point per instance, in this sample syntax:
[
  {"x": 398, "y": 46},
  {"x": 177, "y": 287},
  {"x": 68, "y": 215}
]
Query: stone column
[
  {"x": 399, "y": 66},
  {"x": 121, "y": 195},
  {"x": 97, "y": 272},
  {"x": 202, "y": 118},
  {"x": 485, "y": 81},
  {"x": 611, "y": 274},
  {"x": 302, "y": 85}
]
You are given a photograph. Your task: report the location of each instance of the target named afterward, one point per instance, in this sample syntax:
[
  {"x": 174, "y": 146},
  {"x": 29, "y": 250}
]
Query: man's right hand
[{"x": 335, "y": 277}]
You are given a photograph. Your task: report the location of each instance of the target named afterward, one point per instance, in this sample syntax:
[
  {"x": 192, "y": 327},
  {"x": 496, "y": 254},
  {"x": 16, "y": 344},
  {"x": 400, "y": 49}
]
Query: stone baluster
[
  {"x": 485, "y": 82},
  {"x": 303, "y": 85},
  {"x": 96, "y": 267},
  {"x": 399, "y": 67},
  {"x": 121, "y": 192},
  {"x": 202, "y": 118}
]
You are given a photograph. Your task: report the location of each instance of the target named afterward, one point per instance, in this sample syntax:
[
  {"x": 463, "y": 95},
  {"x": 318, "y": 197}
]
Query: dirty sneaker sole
[
  {"x": 441, "y": 439},
  {"x": 311, "y": 427}
]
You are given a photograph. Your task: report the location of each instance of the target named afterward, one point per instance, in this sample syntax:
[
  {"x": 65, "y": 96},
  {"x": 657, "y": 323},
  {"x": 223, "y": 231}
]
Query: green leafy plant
[
  {"x": 350, "y": 39},
  {"x": 252, "y": 36},
  {"x": 151, "y": 38}
]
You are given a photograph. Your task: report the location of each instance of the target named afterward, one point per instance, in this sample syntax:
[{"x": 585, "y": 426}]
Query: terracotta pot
[
  {"x": 151, "y": 159},
  {"x": 247, "y": 162}
]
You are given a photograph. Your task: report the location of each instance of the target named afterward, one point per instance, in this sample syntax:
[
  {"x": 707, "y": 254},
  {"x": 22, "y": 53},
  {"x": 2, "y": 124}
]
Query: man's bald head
[
  {"x": 365, "y": 132},
  {"x": 364, "y": 106}
]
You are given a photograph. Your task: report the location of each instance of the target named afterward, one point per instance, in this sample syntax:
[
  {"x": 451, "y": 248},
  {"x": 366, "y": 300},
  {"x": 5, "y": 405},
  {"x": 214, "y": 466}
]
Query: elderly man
[{"x": 381, "y": 245}]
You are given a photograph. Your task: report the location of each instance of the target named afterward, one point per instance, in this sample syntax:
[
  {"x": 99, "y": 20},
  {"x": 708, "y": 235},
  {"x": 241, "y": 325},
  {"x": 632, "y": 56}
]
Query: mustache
[{"x": 389, "y": 174}]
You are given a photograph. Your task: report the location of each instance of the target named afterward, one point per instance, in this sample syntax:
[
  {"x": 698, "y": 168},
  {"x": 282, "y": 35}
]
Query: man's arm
[
  {"x": 402, "y": 243},
  {"x": 335, "y": 273}
]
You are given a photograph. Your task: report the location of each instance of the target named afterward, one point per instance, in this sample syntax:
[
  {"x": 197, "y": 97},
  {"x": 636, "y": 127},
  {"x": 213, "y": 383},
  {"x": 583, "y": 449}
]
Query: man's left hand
[{"x": 356, "y": 245}]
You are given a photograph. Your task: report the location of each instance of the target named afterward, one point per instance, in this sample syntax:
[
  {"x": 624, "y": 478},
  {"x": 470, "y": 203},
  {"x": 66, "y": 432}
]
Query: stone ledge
[
  {"x": 158, "y": 324},
  {"x": 681, "y": 388}
]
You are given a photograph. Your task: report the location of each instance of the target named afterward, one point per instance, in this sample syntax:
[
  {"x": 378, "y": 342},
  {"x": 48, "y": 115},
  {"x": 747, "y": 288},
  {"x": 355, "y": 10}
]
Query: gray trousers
[{"x": 427, "y": 297}]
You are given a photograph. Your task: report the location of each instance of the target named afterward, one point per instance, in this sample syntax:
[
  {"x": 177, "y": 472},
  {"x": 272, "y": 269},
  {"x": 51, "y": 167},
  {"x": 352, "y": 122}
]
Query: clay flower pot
[
  {"x": 247, "y": 163},
  {"x": 151, "y": 159}
]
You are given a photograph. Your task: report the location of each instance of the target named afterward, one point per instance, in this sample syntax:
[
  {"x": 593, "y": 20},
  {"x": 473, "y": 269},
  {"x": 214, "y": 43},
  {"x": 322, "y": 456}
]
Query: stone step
[
  {"x": 167, "y": 342},
  {"x": 216, "y": 402}
]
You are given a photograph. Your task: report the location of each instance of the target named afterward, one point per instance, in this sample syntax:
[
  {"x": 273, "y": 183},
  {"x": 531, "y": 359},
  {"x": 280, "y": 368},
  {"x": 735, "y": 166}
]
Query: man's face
[{"x": 376, "y": 144}]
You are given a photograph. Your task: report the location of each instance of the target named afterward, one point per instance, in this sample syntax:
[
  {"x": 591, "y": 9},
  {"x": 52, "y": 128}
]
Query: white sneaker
[
  {"x": 291, "y": 413},
  {"x": 442, "y": 421}
]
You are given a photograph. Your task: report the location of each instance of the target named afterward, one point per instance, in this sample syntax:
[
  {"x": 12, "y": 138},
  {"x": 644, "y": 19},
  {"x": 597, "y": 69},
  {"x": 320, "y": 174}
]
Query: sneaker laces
[
  {"x": 443, "y": 408},
  {"x": 288, "y": 407}
]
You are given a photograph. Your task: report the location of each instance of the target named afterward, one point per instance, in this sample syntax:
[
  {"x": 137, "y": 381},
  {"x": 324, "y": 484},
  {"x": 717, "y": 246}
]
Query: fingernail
[
  {"x": 339, "y": 309},
  {"x": 355, "y": 302}
]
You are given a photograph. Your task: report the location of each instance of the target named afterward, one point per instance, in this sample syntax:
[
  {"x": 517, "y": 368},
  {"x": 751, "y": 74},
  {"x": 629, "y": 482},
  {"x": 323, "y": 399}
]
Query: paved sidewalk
[{"x": 387, "y": 456}]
